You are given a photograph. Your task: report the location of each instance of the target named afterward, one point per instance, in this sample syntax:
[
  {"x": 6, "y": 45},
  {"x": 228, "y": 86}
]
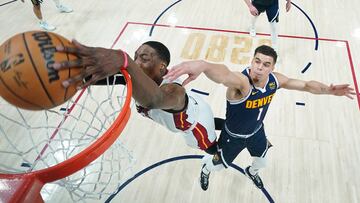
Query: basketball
[{"x": 27, "y": 79}]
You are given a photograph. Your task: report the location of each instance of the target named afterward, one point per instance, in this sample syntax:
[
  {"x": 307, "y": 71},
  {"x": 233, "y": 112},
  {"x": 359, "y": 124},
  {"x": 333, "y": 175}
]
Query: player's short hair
[
  {"x": 161, "y": 50},
  {"x": 266, "y": 50}
]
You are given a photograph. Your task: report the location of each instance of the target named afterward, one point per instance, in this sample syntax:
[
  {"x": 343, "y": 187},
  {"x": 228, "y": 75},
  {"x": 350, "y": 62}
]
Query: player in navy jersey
[
  {"x": 164, "y": 102},
  {"x": 248, "y": 95},
  {"x": 271, "y": 7}
]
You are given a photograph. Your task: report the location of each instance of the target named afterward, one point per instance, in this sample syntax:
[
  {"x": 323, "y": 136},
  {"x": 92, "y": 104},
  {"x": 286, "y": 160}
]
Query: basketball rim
[{"x": 26, "y": 187}]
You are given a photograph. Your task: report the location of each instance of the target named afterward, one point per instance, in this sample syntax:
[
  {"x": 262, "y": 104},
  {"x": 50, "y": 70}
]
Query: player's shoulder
[
  {"x": 278, "y": 75},
  {"x": 280, "y": 78},
  {"x": 172, "y": 87}
]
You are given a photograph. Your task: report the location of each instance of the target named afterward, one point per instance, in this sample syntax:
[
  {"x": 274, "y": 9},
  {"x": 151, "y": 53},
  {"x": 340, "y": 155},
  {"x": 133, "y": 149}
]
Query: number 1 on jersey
[{"x": 259, "y": 116}]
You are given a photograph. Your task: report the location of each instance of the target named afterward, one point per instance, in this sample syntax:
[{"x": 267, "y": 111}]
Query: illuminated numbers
[
  {"x": 238, "y": 54},
  {"x": 241, "y": 48},
  {"x": 216, "y": 51},
  {"x": 193, "y": 46}
]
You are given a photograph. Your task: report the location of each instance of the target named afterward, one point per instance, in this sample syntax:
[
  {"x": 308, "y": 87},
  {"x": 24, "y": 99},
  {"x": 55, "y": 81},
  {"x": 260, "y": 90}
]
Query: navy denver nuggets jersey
[{"x": 245, "y": 116}]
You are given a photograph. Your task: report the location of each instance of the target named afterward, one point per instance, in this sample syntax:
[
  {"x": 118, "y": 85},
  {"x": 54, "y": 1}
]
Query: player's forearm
[
  {"x": 216, "y": 72},
  {"x": 316, "y": 87},
  {"x": 148, "y": 94},
  {"x": 145, "y": 91}
]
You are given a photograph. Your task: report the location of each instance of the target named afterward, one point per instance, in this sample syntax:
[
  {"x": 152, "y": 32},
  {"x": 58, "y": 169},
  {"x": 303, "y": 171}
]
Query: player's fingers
[
  {"x": 181, "y": 71},
  {"x": 351, "y": 90},
  {"x": 187, "y": 81},
  {"x": 92, "y": 69},
  {"x": 342, "y": 86},
  {"x": 68, "y": 64},
  {"x": 349, "y": 96},
  {"x": 171, "y": 78},
  {"x": 66, "y": 83},
  {"x": 339, "y": 87},
  {"x": 169, "y": 74},
  {"x": 77, "y": 78},
  {"x": 67, "y": 49},
  {"x": 173, "y": 73},
  {"x": 174, "y": 69},
  {"x": 82, "y": 49}
]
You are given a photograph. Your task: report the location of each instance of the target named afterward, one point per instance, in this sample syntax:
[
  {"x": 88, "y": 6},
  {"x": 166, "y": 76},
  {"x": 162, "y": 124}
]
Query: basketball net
[{"x": 68, "y": 146}]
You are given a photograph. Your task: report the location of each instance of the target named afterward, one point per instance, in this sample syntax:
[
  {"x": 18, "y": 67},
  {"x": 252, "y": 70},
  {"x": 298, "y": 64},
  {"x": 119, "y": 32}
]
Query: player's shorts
[
  {"x": 272, "y": 10},
  {"x": 201, "y": 134},
  {"x": 230, "y": 147},
  {"x": 36, "y": 2}
]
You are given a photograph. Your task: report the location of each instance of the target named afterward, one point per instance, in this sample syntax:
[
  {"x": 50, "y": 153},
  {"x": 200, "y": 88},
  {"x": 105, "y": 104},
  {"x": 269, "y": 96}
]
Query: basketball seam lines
[{"x": 36, "y": 71}]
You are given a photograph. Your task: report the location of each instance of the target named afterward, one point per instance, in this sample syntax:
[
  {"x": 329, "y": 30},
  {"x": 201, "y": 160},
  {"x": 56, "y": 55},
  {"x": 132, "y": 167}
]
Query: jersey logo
[
  {"x": 258, "y": 103},
  {"x": 255, "y": 92},
  {"x": 216, "y": 158},
  {"x": 272, "y": 85}
]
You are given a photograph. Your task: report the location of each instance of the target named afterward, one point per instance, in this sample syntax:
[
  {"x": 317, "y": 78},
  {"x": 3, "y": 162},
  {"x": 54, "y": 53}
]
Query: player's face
[
  {"x": 149, "y": 61},
  {"x": 261, "y": 66}
]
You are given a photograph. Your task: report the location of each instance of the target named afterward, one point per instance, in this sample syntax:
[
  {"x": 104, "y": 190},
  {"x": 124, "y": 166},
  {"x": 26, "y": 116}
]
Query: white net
[
  {"x": 98, "y": 180},
  {"x": 34, "y": 140}
]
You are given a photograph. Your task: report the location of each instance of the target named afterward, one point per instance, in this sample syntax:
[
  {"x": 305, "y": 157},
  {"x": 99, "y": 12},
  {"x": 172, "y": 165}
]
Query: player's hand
[
  {"x": 253, "y": 10},
  {"x": 342, "y": 90},
  {"x": 96, "y": 62},
  {"x": 191, "y": 68},
  {"x": 288, "y": 5}
]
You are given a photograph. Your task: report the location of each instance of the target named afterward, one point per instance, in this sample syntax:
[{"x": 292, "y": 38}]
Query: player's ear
[
  {"x": 163, "y": 69},
  {"x": 273, "y": 67}
]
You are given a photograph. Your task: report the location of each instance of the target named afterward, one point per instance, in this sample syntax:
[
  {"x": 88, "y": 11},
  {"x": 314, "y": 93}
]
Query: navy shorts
[
  {"x": 272, "y": 11},
  {"x": 230, "y": 147}
]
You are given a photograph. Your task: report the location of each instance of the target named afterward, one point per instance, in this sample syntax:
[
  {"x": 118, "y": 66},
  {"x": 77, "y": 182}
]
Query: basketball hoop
[{"x": 88, "y": 127}]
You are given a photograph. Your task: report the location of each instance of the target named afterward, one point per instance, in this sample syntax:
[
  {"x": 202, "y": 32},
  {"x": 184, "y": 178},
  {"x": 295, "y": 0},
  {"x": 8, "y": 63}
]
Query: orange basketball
[{"x": 27, "y": 79}]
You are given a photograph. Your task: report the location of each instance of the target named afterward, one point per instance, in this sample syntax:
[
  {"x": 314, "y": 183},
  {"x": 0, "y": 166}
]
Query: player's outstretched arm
[
  {"x": 218, "y": 73},
  {"x": 99, "y": 63},
  {"x": 315, "y": 87}
]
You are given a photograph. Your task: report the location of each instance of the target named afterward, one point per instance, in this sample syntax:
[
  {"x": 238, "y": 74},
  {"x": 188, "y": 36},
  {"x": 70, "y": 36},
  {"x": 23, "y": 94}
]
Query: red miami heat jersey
[{"x": 195, "y": 122}]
